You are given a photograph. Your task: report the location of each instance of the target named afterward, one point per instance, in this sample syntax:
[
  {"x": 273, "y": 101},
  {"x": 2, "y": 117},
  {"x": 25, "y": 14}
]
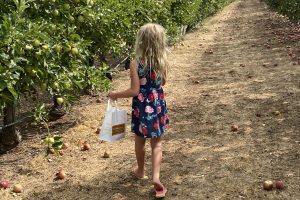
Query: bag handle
[{"x": 109, "y": 104}]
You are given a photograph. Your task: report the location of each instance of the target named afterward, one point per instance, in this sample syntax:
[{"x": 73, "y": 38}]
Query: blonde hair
[{"x": 151, "y": 46}]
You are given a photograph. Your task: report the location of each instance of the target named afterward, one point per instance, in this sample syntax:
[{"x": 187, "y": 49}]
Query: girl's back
[
  {"x": 149, "y": 110},
  {"x": 148, "y": 80}
]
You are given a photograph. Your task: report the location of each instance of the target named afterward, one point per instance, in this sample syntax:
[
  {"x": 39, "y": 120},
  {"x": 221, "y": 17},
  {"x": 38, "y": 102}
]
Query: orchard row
[{"x": 50, "y": 46}]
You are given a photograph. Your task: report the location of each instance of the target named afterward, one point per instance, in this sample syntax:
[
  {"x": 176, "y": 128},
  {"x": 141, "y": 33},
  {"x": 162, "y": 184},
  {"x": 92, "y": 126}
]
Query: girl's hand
[{"x": 112, "y": 96}]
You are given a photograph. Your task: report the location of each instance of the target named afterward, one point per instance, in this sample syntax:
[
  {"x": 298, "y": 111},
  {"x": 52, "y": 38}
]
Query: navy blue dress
[{"x": 149, "y": 110}]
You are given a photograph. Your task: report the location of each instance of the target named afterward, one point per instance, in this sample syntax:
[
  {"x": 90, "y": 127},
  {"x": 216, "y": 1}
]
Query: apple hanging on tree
[
  {"x": 36, "y": 43},
  {"x": 58, "y": 48},
  {"x": 74, "y": 51},
  {"x": 60, "y": 100}
]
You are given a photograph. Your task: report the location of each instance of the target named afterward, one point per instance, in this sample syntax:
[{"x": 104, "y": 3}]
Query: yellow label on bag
[{"x": 117, "y": 129}]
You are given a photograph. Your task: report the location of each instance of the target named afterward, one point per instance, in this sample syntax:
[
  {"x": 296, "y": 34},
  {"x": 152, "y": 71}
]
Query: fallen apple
[
  {"x": 61, "y": 152},
  {"x": 268, "y": 185},
  {"x": 52, "y": 151},
  {"x": 17, "y": 188},
  {"x": 234, "y": 128},
  {"x": 279, "y": 184},
  {"x": 4, "y": 184},
  {"x": 61, "y": 174},
  {"x": 106, "y": 155},
  {"x": 86, "y": 147},
  {"x": 65, "y": 145}
]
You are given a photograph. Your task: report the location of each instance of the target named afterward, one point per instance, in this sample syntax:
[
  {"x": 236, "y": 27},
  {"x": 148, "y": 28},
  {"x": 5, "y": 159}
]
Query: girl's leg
[
  {"x": 156, "y": 146},
  {"x": 140, "y": 155}
]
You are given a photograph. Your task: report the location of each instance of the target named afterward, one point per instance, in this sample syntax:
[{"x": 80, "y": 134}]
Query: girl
[{"x": 149, "y": 111}]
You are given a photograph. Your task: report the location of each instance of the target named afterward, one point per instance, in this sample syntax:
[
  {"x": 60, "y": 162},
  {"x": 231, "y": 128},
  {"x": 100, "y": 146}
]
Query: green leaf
[
  {"x": 57, "y": 145},
  {"x": 75, "y": 37},
  {"x": 12, "y": 91},
  {"x": 3, "y": 85},
  {"x": 78, "y": 84},
  {"x": 57, "y": 137},
  {"x": 4, "y": 56}
]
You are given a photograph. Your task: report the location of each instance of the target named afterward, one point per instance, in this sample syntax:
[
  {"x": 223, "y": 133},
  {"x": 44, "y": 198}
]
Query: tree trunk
[
  {"x": 9, "y": 136},
  {"x": 57, "y": 110}
]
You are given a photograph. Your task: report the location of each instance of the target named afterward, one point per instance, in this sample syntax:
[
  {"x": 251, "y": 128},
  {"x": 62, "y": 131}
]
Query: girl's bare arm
[{"x": 134, "y": 85}]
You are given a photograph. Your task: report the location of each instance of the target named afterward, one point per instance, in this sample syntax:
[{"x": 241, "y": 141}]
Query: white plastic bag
[{"x": 114, "y": 125}]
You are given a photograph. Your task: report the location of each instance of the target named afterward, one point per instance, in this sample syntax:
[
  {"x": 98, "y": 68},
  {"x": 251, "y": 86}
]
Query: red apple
[
  {"x": 86, "y": 147},
  {"x": 234, "y": 128},
  {"x": 61, "y": 174},
  {"x": 52, "y": 151},
  {"x": 279, "y": 184},
  {"x": 61, "y": 152},
  {"x": 65, "y": 145},
  {"x": 4, "y": 184}
]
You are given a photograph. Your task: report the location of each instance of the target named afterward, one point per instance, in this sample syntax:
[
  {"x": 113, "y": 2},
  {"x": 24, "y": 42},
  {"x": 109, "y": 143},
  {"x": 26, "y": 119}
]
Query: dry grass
[{"x": 235, "y": 69}]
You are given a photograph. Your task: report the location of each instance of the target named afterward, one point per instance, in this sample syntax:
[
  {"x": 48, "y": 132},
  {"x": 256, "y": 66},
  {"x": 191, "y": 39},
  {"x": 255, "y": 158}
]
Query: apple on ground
[
  {"x": 86, "y": 147},
  {"x": 234, "y": 128},
  {"x": 61, "y": 152},
  {"x": 4, "y": 184},
  {"x": 61, "y": 174},
  {"x": 65, "y": 145},
  {"x": 268, "y": 185},
  {"x": 279, "y": 184},
  {"x": 18, "y": 188},
  {"x": 52, "y": 151}
]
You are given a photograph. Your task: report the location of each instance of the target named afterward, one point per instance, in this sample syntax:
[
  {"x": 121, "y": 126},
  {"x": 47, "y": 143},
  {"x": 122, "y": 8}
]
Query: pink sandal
[{"x": 160, "y": 193}]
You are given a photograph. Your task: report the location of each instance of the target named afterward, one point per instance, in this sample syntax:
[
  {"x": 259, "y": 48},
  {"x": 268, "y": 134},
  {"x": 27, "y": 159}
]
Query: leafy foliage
[
  {"x": 49, "y": 45},
  {"x": 290, "y": 8}
]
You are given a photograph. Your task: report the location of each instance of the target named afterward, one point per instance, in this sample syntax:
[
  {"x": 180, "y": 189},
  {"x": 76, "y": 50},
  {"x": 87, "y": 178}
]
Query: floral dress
[{"x": 149, "y": 110}]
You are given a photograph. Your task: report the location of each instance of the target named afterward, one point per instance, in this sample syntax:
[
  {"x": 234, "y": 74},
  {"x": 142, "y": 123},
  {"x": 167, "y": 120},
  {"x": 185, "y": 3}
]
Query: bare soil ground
[{"x": 240, "y": 67}]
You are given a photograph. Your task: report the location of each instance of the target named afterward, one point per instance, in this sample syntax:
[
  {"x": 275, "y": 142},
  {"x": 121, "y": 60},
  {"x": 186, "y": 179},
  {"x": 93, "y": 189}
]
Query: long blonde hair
[{"x": 151, "y": 46}]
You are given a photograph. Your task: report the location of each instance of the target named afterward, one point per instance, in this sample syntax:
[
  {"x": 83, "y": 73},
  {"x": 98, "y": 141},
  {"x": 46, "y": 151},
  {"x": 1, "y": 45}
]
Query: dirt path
[{"x": 235, "y": 69}]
